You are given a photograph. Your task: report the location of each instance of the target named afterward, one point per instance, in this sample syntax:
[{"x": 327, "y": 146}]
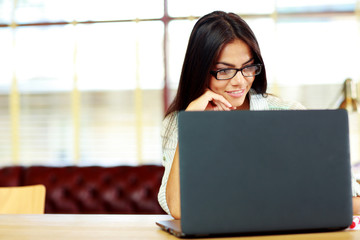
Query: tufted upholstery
[
  {"x": 93, "y": 189},
  {"x": 11, "y": 176}
]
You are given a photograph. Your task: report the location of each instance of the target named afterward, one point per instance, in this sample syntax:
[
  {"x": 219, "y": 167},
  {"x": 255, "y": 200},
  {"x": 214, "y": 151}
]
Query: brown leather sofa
[{"x": 92, "y": 189}]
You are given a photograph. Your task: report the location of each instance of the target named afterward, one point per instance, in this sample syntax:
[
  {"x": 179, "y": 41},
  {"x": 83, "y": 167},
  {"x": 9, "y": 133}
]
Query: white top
[{"x": 169, "y": 136}]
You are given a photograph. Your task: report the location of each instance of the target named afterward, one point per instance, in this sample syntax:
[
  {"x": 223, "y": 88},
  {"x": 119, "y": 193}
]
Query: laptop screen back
[{"x": 264, "y": 171}]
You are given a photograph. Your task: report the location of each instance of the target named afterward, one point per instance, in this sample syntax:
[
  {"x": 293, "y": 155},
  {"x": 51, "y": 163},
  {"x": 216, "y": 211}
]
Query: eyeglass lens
[{"x": 246, "y": 72}]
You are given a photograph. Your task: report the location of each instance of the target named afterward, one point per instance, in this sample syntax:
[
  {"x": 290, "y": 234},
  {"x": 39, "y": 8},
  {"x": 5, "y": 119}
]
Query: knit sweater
[{"x": 169, "y": 136}]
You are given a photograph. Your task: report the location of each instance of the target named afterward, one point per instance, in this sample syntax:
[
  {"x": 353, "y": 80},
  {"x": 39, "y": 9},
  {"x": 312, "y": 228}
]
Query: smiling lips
[{"x": 236, "y": 93}]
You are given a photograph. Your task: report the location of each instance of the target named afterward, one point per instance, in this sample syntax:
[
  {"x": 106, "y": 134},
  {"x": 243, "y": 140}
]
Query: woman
[{"x": 223, "y": 70}]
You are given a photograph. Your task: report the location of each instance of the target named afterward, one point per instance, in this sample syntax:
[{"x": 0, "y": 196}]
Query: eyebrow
[{"x": 232, "y": 65}]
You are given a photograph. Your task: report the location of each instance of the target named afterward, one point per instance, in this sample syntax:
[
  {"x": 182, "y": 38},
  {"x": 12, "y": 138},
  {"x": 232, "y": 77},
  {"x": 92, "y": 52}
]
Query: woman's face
[{"x": 236, "y": 54}]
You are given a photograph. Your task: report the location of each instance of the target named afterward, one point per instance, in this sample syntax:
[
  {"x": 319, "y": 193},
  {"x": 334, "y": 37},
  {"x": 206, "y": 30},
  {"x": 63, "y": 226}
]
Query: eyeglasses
[{"x": 228, "y": 73}]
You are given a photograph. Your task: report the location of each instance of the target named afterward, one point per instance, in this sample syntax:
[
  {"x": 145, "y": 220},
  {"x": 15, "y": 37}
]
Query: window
[{"x": 87, "y": 82}]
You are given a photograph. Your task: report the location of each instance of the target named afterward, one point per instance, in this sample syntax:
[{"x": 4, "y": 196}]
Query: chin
[{"x": 238, "y": 103}]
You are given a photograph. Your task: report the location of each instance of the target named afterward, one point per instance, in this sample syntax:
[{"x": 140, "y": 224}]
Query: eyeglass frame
[{"x": 214, "y": 73}]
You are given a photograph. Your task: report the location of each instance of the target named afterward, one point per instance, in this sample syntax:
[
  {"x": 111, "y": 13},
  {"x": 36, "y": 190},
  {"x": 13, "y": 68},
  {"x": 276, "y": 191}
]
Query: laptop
[{"x": 263, "y": 172}]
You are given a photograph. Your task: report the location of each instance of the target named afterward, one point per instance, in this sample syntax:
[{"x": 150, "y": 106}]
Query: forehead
[{"x": 236, "y": 52}]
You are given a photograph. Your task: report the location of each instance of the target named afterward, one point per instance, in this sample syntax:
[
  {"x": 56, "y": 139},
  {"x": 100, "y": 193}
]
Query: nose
[{"x": 238, "y": 79}]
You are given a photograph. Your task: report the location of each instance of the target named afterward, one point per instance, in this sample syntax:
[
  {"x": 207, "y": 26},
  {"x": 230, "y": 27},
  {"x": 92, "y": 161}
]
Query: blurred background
[{"x": 86, "y": 82}]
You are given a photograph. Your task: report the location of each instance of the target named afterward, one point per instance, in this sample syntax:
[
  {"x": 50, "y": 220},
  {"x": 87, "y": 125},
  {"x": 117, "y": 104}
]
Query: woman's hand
[{"x": 210, "y": 101}]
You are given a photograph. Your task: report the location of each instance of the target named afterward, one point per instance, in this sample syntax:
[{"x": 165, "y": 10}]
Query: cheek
[
  {"x": 217, "y": 86},
  {"x": 250, "y": 81}
]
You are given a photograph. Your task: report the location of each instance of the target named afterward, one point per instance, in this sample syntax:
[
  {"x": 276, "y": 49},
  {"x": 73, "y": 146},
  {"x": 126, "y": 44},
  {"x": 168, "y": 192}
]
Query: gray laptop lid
[{"x": 264, "y": 171}]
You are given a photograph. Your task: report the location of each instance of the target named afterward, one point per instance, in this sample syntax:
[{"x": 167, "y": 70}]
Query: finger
[
  {"x": 223, "y": 101},
  {"x": 218, "y": 97},
  {"x": 214, "y": 107},
  {"x": 222, "y": 106}
]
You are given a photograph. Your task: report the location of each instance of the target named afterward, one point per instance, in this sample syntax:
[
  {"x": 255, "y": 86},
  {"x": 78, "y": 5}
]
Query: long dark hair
[{"x": 209, "y": 35}]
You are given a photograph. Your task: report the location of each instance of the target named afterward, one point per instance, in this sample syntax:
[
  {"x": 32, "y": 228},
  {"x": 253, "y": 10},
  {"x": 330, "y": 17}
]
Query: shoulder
[
  {"x": 170, "y": 126},
  {"x": 269, "y": 101},
  {"x": 276, "y": 103},
  {"x": 170, "y": 121}
]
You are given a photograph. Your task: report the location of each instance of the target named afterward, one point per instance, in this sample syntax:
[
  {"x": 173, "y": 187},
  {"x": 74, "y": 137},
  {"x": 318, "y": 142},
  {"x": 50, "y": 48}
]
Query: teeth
[{"x": 236, "y": 92}]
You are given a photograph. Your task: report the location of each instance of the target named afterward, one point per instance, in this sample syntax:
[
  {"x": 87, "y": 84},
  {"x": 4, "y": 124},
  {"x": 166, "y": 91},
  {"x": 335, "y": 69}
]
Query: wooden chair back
[{"x": 22, "y": 199}]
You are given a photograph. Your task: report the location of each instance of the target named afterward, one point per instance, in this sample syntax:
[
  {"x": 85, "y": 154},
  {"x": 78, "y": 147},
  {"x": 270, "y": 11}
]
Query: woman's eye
[{"x": 225, "y": 71}]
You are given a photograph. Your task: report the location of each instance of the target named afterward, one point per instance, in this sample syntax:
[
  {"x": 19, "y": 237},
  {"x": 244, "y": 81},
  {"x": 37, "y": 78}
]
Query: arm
[
  {"x": 356, "y": 205},
  {"x": 208, "y": 101},
  {"x": 355, "y": 193},
  {"x": 173, "y": 187}
]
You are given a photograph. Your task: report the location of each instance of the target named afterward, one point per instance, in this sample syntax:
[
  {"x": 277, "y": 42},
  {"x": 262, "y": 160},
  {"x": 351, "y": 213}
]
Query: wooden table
[{"x": 107, "y": 227}]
